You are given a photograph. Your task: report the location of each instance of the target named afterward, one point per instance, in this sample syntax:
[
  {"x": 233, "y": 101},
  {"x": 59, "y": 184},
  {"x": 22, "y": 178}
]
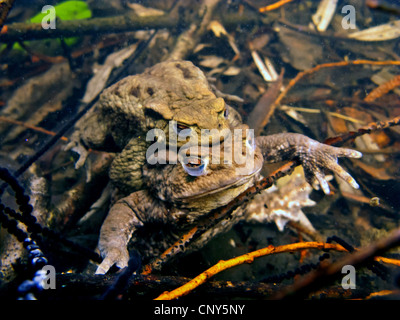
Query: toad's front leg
[
  {"x": 314, "y": 156},
  {"x": 124, "y": 218}
]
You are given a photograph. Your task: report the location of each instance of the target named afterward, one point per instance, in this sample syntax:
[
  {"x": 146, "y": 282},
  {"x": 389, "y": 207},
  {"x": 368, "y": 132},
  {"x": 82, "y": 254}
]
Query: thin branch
[
  {"x": 246, "y": 258},
  {"x": 274, "y": 6},
  {"x": 29, "y": 126},
  {"x": 325, "y": 275},
  {"x": 130, "y": 22},
  {"x": 81, "y": 286},
  {"x": 383, "y": 89},
  {"x": 124, "y": 23}
]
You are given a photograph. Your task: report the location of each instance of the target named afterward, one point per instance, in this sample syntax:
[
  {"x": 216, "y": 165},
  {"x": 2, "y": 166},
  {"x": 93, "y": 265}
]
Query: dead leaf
[
  {"x": 261, "y": 111},
  {"x": 300, "y": 50},
  {"x": 217, "y": 28},
  {"x": 97, "y": 83},
  {"x": 232, "y": 71},
  {"x": 265, "y": 67},
  {"x": 211, "y": 61},
  {"x": 376, "y": 173},
  {"x": 143, "y": 11},
  {"x": 325, "y": 12},
  {"x": 387, "y": 31}
]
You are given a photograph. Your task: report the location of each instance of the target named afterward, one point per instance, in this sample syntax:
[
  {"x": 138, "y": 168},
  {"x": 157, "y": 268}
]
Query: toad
[
  {"x": 176, "y": 196},
  {"x": 174, "y": 91},
  {"x": 169, "y": 198}
]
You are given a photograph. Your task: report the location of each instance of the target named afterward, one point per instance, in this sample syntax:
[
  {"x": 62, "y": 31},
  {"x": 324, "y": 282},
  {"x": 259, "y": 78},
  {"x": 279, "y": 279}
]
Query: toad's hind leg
[{"x": 125, "y": 217}]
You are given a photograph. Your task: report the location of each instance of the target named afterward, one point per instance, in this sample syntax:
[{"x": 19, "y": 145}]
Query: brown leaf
[
  {"x": 376, "y": 173},
  {"x": 261, "y": 111},
  {"x": 380, "y": 138}
]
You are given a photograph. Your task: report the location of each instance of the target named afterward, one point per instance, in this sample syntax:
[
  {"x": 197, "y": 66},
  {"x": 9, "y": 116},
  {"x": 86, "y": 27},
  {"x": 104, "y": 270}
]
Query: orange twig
[
  {"x": 388, "y": 260},
  {"x": 382, "y": 293},
  {"x": 246, "y": 258},
  {"x": 274, "y": 6},
  {"x": 383, "y": 89},
  {"x": 147, "y": 269},
  {"x": 29, "y": 126},
  {"x": 324, "y": 275}
]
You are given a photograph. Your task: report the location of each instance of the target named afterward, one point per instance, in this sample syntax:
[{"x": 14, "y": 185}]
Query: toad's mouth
[{"x": 227, "y": 184}]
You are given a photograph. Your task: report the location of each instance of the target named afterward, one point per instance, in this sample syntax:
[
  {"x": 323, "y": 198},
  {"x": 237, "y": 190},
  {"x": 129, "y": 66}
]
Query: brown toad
[
  {"x": 175, "y": 197},
  {"x": 169, "y": 91}
]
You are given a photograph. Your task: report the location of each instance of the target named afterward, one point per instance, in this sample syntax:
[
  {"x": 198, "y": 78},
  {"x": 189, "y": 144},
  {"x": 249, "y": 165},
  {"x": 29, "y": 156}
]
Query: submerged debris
[
  {"x": 283, "y": 204},
  {"x": 387, "y": 31},
  {"x": 325, "y": 12}
]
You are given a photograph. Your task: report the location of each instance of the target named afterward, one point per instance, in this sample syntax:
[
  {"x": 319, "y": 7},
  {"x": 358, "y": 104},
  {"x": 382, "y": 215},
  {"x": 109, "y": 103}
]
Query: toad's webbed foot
[
  {"x": 314, "y": 156},
  {"x": 320, "y": 157},
  {"x": 80, "y": 149},
  {"x": 113, "y": 256}
]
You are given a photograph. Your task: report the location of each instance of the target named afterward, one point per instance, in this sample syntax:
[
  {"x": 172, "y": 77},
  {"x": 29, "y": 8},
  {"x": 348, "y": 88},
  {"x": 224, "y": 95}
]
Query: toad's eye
[
  {"x": 195, "y": 166},
  {"x": 178, "y": 128},
  {"x": 226, "y": 113}
]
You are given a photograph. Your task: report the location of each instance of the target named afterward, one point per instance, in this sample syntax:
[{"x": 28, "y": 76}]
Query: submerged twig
[
  {"x": 383, "y": 89},
  {"x": 371, "y": 127},
  {"x": 82, "y": 286},
  {"x": 125, "y": 23},
  {"x": 29, "y": 126},
  {"x": 324, "y": 275},
  {"x": 246, "y": 258},
  {"x": 259, "y": 112},
  {"x": 123, "y": 278},
  {"x": 116, "y": 24},
  {"x": 189, "y": 38},
  {"x": 274, "y": 6}
]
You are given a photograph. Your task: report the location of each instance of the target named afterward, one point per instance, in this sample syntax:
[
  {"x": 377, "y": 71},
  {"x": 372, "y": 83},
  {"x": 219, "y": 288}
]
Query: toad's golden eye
[
  {"x": 178, "y": 128},
  {"x": 181, "y": 127},
  {"x": 226, "y": 113}
]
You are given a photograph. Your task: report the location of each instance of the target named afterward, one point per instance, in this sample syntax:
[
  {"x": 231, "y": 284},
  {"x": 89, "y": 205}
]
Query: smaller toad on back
[{"x": 127, "y": 110}]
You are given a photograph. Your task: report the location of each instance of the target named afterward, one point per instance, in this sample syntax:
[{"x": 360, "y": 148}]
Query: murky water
[{"x": 293, "y": 67}]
